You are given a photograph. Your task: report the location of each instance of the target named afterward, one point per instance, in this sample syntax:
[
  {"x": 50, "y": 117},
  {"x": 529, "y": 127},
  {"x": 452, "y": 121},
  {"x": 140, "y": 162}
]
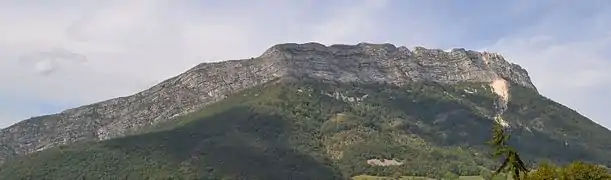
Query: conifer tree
[{"x": 512, "y": 162}]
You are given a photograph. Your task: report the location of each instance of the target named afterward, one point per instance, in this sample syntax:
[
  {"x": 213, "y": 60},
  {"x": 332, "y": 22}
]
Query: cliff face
[
  {"x": 211, "y": 82},
  {"x": 395, "y": 65}
]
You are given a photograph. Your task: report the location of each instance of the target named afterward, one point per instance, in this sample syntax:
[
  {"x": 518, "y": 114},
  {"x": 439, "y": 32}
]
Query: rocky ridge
[{"x": 210, "y": 82}]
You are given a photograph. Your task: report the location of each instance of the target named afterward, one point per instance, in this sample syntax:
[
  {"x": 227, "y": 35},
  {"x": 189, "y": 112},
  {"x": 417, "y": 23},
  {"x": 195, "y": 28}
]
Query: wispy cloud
[
  {"x": 46, "y": 62},
  {"x": 566, "y": 53},
  {"x": 79, "y": 52},
  {"x": 82, "y": 52}
]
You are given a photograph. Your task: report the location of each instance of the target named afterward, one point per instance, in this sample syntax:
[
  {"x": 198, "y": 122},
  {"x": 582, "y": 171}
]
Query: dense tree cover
[
  {"x": 312, "y": 130},
  {"x": 513, "y": 164},
  {"x": 557, "y": 130}
]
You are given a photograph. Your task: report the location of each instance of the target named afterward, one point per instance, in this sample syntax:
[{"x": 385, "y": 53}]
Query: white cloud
[
  {"x": 82, "y": 52},
  {"x": 576, "y": 74},
  {"x": 79, "y": 52},
  {"x": 46, "y": 62},
  {"x": 571, "y": 66}
]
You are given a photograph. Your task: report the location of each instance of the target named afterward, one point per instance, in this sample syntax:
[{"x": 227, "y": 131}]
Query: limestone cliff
[{"x": 211, "y": 82}]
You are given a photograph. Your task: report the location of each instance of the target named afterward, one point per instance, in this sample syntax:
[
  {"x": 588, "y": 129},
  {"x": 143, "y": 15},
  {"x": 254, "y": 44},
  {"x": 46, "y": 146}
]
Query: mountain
[{"x": 308, "y": 111}]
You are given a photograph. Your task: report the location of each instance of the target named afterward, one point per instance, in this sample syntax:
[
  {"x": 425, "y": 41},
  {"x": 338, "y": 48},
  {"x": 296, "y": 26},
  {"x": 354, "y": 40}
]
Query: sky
[{"x": 62, "y": 54}]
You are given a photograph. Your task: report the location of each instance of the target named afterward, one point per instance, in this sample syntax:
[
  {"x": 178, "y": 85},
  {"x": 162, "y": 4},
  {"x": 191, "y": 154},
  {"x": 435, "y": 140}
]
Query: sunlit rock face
[{"x": 210, "y": 82}]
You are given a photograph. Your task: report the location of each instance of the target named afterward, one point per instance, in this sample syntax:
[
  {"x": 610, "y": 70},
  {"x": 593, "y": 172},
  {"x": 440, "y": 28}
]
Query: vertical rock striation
[{"x": 211, "y": 82}]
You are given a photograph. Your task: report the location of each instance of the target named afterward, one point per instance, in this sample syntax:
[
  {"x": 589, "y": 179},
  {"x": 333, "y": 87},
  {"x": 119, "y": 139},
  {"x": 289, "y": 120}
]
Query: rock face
[
  {"x": 211, "y": 82},
  {"x": 389, "y": 64}
]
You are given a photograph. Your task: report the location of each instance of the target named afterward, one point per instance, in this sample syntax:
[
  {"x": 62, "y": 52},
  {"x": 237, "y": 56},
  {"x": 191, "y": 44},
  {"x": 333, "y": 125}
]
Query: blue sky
[{"x": 61, "y": 54}]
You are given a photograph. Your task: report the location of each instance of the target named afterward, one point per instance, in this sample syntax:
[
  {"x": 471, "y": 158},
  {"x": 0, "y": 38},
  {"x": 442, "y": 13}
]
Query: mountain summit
[
  {"x": 424, "y": 96},
  {"x": 386, "y": 63},
  {"x": 211, "y": 82}
]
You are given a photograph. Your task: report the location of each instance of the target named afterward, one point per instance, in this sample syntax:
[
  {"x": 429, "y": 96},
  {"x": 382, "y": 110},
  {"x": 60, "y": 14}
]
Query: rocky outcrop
[
  {"x": 396, "y": 65},
  {"x": 211, "y": 82},
  {"x": 500, "y": 87}
]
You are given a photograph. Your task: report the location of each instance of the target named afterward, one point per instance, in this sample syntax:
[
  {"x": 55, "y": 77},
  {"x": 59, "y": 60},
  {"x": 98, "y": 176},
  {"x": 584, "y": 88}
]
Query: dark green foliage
[
  {"x": 544, "y": 171},
  {"x": 554, "y": 130},
  {"x": 307, "y": 129},
  {"x": 512, "y": 162},
  {"x": 581, "y": 171},
  {"x": 237, "y": 143},
  {"x": 577, "y": 170}
]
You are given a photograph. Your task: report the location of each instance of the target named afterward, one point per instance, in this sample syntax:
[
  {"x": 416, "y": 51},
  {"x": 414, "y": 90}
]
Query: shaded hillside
[
  {"x": 294, "y": 128},
  {"x": 207, "y": 83}
]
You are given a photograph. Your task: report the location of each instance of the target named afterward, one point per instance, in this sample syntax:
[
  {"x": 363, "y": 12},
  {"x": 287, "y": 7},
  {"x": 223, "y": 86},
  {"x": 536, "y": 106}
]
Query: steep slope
[
  {"x": 289, "y": 129},
  {"x": 306, "y": 128},
  {"x": 210, "y": 82}
]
